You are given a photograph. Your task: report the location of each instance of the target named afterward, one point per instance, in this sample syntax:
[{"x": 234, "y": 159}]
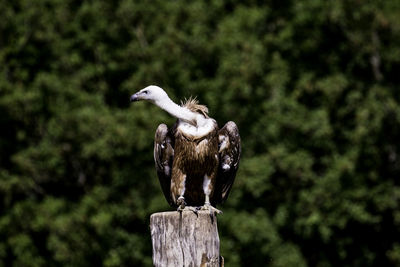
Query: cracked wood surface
[{"x": 185, "y": 239}]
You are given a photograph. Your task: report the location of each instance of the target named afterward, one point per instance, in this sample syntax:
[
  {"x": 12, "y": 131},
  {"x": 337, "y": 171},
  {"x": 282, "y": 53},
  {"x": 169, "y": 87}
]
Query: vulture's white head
[
  {"x": 159, "y": 97},
  {"x": 151, "y": 93}
]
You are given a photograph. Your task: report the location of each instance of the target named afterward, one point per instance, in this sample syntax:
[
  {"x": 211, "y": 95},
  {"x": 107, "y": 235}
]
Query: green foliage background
[{"x": 313, "y": 86}]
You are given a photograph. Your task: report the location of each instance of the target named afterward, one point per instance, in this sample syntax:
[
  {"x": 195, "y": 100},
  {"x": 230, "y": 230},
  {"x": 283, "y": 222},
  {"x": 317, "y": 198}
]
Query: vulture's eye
[{"x": 146, "y": 92}]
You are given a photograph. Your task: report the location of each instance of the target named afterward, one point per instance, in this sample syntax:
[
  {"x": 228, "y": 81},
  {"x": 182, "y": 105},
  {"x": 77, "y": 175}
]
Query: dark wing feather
[
  {"x": 163, "y": 157},
  {"x": 229, "y": 154}
]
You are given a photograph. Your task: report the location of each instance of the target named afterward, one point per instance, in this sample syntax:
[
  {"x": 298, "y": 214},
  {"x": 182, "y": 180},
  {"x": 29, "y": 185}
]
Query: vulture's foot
[
  {"x": 207, "y": 206},
  {"x": 181, "y": 203}
]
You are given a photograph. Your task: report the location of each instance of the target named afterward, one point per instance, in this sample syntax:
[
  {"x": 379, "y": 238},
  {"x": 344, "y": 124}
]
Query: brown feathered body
[
  {"x": 192, "y": 166},
  {"x": 194, "y": 158}
]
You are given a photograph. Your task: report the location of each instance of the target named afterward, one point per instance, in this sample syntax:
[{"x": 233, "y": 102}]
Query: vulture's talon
[
  {"x": 181, "y": 203},
  {"x": 207, "y": 206}
]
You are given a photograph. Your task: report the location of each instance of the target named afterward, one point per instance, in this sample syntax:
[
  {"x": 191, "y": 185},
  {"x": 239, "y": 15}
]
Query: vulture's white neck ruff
[{"x": 197, "y": 131}]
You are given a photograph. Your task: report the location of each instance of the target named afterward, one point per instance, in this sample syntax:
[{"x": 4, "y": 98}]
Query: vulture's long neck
[{"x": 177, "y": 111}]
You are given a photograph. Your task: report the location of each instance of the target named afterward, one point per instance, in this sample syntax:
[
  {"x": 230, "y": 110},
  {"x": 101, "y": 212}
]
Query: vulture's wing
[
  {"x": 229, "y": 154},
  {"x": 163, "y": 157}
]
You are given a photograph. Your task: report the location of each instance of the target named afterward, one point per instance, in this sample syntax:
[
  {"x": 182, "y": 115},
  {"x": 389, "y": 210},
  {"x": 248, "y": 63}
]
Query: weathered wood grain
[{"x": 185, "y": 239}]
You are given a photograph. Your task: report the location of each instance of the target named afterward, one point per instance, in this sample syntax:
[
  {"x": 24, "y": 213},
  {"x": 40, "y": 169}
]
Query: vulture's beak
[{"x": 134, "y": 97}]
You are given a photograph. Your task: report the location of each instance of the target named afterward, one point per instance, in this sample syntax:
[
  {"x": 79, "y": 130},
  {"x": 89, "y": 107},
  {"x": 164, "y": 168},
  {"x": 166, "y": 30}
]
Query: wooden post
[{"x": 185, "y": 239}]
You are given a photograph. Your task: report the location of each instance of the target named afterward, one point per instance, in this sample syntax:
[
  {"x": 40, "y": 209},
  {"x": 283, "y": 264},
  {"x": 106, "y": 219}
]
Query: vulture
[{"x": 196, "y": 162}]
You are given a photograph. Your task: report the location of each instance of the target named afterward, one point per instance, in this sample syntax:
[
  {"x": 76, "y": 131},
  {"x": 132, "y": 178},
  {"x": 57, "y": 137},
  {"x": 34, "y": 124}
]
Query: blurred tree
[{"x": 312, "y": 85}]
